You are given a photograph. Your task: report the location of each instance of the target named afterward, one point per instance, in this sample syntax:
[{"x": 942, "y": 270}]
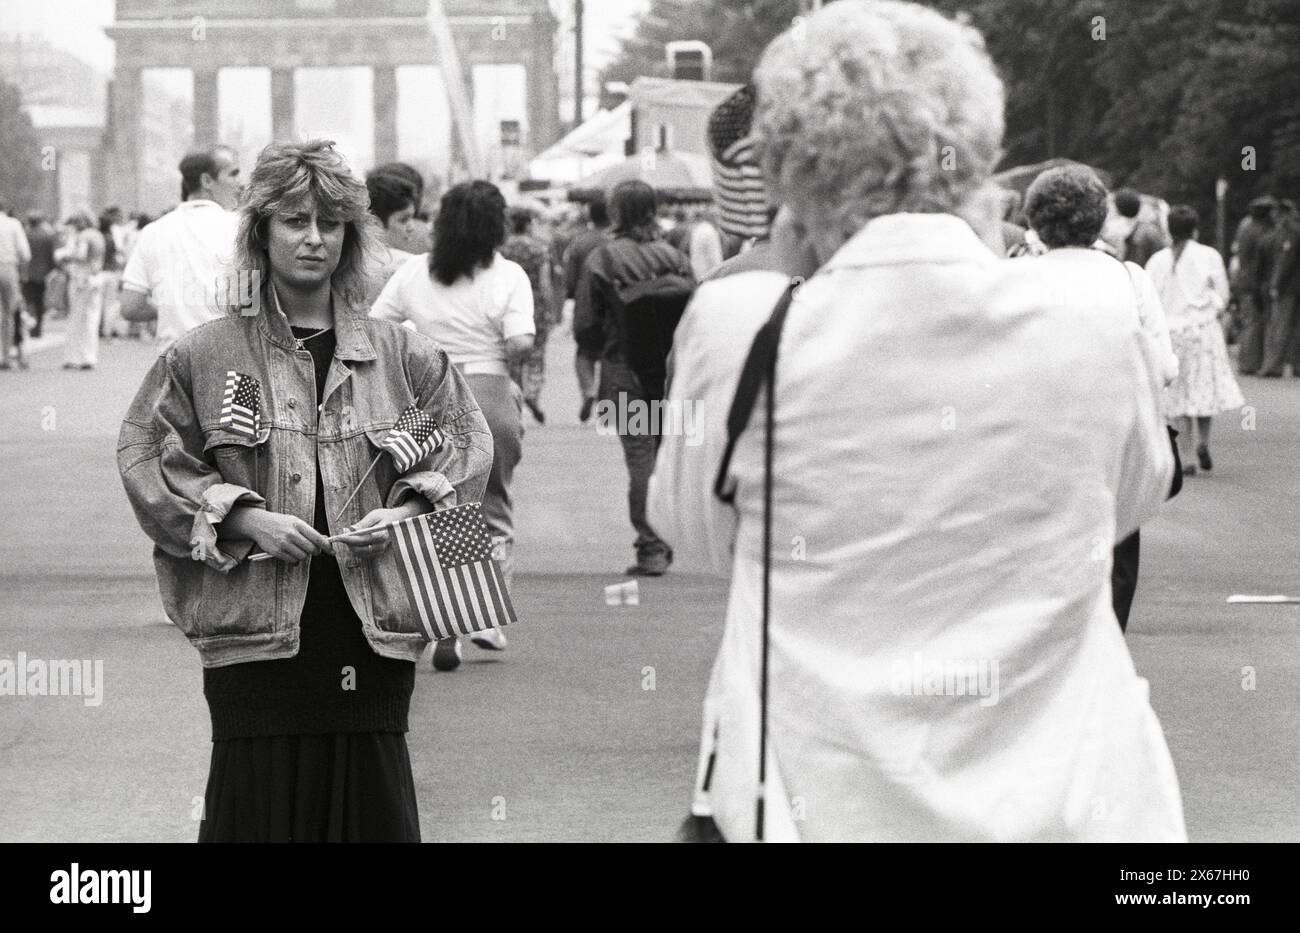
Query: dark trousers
[
  {"x": 34, "y": 298},
  {"x": 1124, "y": 577},
  {"x": 1253, "y": 309},
  {"x": 617, "y": 379},
  {"x": 1280, "y": 334}
]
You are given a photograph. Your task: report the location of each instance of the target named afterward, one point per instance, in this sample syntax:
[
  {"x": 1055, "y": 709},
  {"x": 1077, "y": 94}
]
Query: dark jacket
[
  {"x": 42, "y": 241},
  {"x": 607, "y": 274}
]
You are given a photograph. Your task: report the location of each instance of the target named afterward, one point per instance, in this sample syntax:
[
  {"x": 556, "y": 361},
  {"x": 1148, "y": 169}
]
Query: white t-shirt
[
  {"x": 177, "y": 261},
  {"x": 471, "y": 319}
]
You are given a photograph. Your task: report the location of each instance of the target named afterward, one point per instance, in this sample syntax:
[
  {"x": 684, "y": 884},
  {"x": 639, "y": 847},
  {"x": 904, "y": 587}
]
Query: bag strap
[{"x": 759, "y": 368}]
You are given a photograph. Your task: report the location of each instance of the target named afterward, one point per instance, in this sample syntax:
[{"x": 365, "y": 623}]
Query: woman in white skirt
[
  {"x": 1193, "y": 287},
  {"x": 82, "y": 257}
]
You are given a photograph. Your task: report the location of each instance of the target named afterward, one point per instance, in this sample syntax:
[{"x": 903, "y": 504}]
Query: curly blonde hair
[
  {"x": 286, "y": 174},
  {"x": 872, "y": 107}
]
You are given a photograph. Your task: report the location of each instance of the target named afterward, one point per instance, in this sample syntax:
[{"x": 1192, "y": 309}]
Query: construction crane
[{"x": 457, "y": 94}]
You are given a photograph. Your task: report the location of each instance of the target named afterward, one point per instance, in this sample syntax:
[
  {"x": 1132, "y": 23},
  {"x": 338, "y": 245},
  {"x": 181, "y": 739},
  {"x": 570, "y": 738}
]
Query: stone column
[
  {"x": 384, "y": 98},
  {"x": 207, "y": 116},
  {"x": 282, "y": 105},
  {"x": 125, "y": 131},
  {"x": 542, "y": 88}
]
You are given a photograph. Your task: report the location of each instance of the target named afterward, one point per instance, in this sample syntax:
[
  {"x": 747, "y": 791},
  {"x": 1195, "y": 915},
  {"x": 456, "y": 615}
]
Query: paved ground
[{"x": 559, "y": 735}]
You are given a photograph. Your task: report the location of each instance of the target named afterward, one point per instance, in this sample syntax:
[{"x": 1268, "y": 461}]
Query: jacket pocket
[
  {"x": 391, "y": 608},
  {"x": 241, "y": 460}
]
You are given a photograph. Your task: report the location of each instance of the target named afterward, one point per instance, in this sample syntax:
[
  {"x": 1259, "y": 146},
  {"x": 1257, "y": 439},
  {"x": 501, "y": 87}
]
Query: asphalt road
[{"x": 560, "y": 737}]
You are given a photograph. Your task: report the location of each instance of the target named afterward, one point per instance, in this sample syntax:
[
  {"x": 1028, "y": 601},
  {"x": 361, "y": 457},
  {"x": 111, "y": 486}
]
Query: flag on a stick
[
  {"x": 445, "y": 561},
  {"x": 241, "y": 406},
  {"x": 415, "y": 435}
]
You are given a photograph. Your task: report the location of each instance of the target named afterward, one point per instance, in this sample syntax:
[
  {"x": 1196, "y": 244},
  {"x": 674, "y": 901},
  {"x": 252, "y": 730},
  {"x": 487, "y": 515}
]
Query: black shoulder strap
[{"x": 759, "y": 365}]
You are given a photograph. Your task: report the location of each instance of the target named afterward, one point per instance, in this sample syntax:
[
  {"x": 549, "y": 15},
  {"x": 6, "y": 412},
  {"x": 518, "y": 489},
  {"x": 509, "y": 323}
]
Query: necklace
[{"x": 302, "y": 341}]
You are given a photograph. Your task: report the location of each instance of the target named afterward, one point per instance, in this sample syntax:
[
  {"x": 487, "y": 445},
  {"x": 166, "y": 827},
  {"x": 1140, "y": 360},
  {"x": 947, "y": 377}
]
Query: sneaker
[
  {"x": 1203, "y": 457},
  {"x": 492, "y": 639},
  {"x": 650, "y": 565},
  {"x": 446, "y": 654}
]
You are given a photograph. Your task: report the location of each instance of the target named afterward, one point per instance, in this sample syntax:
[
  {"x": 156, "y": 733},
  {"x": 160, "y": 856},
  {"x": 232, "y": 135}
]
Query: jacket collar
[
  {"x": 351, "y": 340},
  {"x": 894, "y": 239}
]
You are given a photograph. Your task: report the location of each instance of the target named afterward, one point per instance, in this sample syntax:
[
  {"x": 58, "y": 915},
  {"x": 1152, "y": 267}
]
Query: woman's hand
[
  {"x": 284, "y": 537},
  {"x": 370, "y": 543}
]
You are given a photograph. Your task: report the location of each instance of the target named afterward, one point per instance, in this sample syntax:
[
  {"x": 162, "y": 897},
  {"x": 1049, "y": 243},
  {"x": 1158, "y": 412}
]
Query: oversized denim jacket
[{"x": 183, "y": 472}]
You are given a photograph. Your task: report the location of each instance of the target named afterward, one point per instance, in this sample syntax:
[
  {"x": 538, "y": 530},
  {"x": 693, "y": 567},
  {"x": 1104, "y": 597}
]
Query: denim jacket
[{"x": 183, "y": 472}]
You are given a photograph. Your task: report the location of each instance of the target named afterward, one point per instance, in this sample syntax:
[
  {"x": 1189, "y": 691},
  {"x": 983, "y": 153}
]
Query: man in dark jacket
[
  {"x": 1284, "y": 294},
  {"x": 42, "y": 239},
  {"x": 575, "y": 256},
  {"x": 1250, "y": 284},
  {"x": 631, "y": 293}
]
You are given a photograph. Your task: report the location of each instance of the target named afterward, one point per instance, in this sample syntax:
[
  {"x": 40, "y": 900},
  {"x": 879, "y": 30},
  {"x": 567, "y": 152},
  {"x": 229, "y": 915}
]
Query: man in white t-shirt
[{"x": 178, "y": 259}]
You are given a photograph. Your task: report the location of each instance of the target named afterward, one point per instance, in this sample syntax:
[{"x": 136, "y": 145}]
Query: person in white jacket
[
  {"x": 1193, "y": 287},
  {"x": 954, "y": 455}
]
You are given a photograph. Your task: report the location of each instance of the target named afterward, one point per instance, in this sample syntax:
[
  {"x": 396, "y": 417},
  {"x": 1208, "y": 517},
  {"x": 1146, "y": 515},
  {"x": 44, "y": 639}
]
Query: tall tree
[{"x": 20, "y": 169}]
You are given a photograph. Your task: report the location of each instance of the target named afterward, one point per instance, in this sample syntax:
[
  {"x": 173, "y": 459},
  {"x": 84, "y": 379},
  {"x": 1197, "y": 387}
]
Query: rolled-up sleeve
[
  {"x": 178, "y": 498},
  {"x": 457, "y": 471}
]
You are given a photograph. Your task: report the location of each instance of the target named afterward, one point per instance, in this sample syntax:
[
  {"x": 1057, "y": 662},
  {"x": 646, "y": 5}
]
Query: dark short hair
[
  {"x": 471, "y": 225},
  {"x": 1182, "y": 221},
  {"x": 520, "y": 218},
  {"x": 193, "y": 167},
  {"x": 633, "y": 206},
  {"x": 1262, "y": 210},
  {"x": 1066, "y": 206},
  {"x": 408, "y": 173},
  {"x": 598, "y": 211},
  {"x": 389, "y": 194},
  {"x": 1128, "y": 202}
]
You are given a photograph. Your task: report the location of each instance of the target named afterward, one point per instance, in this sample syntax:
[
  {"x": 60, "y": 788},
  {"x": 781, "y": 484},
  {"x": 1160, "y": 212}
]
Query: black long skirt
[{"x": 339, "y": 787}]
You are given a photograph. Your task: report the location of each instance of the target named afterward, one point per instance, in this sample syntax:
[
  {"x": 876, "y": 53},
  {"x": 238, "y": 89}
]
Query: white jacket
[{"x": 956, "y": 454}]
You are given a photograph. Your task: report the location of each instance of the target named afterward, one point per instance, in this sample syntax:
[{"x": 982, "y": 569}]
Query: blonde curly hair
[{"x": 872, "y": 107}]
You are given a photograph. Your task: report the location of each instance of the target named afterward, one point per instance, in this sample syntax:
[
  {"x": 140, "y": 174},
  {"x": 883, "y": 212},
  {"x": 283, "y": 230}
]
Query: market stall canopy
[
  {"x": 598, "y": 143},
  {"x": 675, "y": 176}
]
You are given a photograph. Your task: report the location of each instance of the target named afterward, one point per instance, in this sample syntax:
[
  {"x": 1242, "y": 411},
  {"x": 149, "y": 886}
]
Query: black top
[{"x": 336, "y": 682}]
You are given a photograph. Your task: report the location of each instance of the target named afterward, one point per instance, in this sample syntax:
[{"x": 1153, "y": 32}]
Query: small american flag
[
  {"x": 445, "y": 561},
  {"x": 241, "y": 406},
  {"x": 413, "y": 436}
]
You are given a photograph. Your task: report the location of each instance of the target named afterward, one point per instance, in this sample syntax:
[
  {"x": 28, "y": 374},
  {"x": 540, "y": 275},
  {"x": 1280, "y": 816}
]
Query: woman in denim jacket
[{"x": 249, "y": 434}]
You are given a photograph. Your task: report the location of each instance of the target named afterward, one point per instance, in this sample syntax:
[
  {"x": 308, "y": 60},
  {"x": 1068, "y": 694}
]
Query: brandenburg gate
[{"x": 283, "y": 35}]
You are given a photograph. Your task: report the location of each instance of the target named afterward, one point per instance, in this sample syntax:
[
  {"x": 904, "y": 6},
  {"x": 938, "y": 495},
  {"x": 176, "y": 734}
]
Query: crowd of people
[{"x": 916, "y": 337}]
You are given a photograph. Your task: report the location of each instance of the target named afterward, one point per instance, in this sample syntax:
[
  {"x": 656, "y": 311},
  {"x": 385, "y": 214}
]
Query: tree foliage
[
  {"x": 20, "y": 171},
  {"x": 1164, "y": 95}
]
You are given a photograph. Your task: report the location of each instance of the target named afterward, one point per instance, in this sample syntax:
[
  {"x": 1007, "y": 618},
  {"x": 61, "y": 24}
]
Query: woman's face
[{"x": 304, "y": 246}]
